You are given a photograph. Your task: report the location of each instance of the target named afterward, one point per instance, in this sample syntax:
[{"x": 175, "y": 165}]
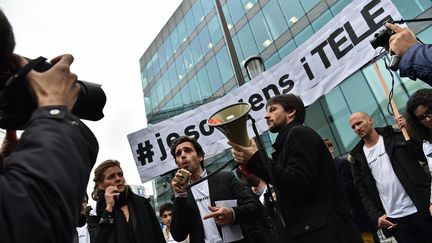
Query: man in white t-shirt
[{"x": 390, "y": 180}]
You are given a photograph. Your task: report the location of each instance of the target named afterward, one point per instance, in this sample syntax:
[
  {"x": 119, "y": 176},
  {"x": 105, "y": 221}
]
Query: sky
[{"x": 107, "y": 38}]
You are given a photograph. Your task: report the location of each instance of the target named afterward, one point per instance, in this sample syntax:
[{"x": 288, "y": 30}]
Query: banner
[{"x": 332, "y": 54}]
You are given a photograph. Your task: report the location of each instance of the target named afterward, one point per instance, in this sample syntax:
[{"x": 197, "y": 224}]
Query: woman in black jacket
[{"x": 122, "y": 216}]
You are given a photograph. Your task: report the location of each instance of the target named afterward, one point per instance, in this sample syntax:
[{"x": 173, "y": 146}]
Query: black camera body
[
  {"x": 381, "y": 38},
  {"x": 17, "y": 103}
]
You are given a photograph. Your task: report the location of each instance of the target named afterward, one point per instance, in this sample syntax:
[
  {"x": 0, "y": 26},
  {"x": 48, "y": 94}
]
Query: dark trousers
[{"x": 412, "y": 229}]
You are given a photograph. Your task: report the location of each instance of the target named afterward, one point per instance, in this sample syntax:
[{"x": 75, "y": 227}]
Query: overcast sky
[{"x": 107, "y": 39}]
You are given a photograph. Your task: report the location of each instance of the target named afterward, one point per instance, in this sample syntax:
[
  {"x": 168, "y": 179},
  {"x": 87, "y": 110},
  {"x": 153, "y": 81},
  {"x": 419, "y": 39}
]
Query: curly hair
[
  {"x": 417, "y": 129},
  {"x": 182, "y": 139}
]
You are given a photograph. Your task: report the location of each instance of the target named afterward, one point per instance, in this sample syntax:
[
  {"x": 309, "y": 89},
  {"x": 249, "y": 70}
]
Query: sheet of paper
[{"x": 230, "y": 232}]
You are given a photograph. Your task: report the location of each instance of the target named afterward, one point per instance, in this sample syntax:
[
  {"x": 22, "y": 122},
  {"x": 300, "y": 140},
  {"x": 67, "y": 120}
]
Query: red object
[
  {"x": 244, "y": 170},
  {"x": 215, "y": 121}
]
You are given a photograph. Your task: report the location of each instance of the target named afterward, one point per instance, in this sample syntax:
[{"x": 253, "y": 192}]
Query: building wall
[{"x": 188, "y": 63}]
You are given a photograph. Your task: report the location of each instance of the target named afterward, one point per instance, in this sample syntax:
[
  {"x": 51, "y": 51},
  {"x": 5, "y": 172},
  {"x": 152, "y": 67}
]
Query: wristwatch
[{"x": 107, "y": 218}]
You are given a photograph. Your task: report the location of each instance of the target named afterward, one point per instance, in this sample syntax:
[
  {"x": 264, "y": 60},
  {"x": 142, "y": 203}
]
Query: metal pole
[{"x": 227, "y": 36}]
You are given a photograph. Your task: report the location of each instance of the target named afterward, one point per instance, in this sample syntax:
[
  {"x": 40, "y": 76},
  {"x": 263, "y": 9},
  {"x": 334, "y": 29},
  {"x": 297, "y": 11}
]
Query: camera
[
  {"x": 17, "y": 103},
  {"x": 381, "y": 38}
]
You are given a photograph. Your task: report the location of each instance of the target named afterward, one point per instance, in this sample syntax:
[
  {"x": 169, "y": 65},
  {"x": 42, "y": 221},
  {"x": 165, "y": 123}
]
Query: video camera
[
  {"x": 381, "y": 39},
  {"x": 17, "y": 103}
]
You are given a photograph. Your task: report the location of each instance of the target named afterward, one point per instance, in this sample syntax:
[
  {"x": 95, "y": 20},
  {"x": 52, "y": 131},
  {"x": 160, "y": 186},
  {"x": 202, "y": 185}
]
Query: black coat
[
  {"x": 44, "y": 181},
  {"x": 144, "y": 225},
  {"x": 186, "y": 219},
  {"x": 310, "y": 195},
  {"x": 404, "y": 158}
]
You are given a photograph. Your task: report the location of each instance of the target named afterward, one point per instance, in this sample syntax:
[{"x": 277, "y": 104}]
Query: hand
[
  {"x": 401, "y": 40},
  {"x": 57, "y": 86},
  {"x": 430, "y": 209},
  {"x": 10, "y": 141},
  {"x": 384, "y": 223},
  {"x": 178, "y": 184},
  {"x": 111, "y": 193},
  {"x": 222, "y": 215},
  {"x": 400, "y": 121},
  {"x": 243, "y": 154}
]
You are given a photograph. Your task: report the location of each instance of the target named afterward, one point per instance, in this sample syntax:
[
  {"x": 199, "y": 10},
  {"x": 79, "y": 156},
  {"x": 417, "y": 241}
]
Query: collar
[{"x": 283, "y": 133}]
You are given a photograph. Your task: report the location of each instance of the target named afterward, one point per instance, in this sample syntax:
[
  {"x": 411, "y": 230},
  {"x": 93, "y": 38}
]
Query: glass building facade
[{"x": 188, "y": 63}]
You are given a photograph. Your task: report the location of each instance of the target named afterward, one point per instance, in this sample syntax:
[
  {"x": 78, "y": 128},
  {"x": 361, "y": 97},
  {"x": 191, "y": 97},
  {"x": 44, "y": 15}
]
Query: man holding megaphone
[{"x": 311, "y": 200}]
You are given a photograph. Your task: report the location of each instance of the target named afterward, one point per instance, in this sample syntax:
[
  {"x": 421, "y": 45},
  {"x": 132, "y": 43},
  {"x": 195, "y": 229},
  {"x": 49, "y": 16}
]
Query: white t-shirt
[
  {"x": 83, "y": 234},
  {"x": 201, "y": 196},
  {"x": 393, "y": 196}
]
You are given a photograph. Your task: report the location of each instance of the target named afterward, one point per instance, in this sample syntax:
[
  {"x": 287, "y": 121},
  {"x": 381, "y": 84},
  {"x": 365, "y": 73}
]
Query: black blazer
[
  {"x": 310, "y": 196},
  {"x": 44, "y": 180},
  {"x": 186, "y": 219}
]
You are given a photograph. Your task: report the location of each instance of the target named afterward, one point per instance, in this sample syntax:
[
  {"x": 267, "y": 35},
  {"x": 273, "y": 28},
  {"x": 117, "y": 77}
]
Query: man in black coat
[
  {"x": 196, "y": 211},
  {"x": 44, "y": 179},
  {"x": 394, "y": 187},
  {"x": 309, "y": 194}
]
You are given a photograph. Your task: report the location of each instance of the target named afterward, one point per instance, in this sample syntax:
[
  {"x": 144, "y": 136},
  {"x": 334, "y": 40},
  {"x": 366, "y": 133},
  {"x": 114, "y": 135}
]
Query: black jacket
[
  {"x": 44, "y": 181},
  {"x": 143, "y": 226},
  {"x": 405, "y": 159},
  {"x": 186, "y": 218},
  {"x": 310, "y": 195}
]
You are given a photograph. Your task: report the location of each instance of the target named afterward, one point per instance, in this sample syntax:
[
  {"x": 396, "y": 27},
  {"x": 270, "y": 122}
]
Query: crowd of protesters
[{"x": 300, "y": 194}]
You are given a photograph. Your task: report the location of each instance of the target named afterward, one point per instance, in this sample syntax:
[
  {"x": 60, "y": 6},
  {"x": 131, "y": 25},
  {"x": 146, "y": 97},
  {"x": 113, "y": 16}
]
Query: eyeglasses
[{"x": 427, "y": 114}]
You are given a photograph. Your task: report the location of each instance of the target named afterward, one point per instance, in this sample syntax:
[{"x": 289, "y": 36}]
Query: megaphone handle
[{"x": 266, "y": 161}]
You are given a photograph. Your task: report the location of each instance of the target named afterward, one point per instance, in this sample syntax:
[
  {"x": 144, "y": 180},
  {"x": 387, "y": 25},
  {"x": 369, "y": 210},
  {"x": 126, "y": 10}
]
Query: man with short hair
[
  {"x": 393, "y": 186},
  {"x": 165, "y": 212},
  {"x": 203, "y": 210},
  {"x": 310, "y": 197}
]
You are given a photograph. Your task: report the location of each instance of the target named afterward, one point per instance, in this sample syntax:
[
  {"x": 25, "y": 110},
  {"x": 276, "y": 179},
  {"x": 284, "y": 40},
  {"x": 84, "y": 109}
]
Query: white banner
[{"x": 332, "y": 54}]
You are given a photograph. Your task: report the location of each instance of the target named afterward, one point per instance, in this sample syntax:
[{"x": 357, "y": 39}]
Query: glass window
[
  {"x": 172, "y": 72},
  {"x": 292, "y": 10},
  {"x": 261, "y": 32},
  {"x": 177, "y": 99},
  {"x": 228, "y": 18},
  {"x": 236, "y": 10},
  {"x": 197, "y": 12},
  {"x": 207, "y": 6},
  {"x": 175, "y": 41},
  {"x": 153, "y": 98},
  {"x": 188, "y": 59},
  {"x": 224, "y": 63},
  {"x": 166, "y": 83},
  {"x": 302, "y": 37},
  {"x": 168, "y": 49},
  {"x": 160, "y": 91},
  {"x": 275, "y": 20},
  {"x": 248, "y": 4},
  {"x": 308, "y": 4},
  {"x": 149, "y": 71},
  {"x": 181, "y": 69},
  {"x": 196, "y": 51},
  {"x": 161, "y": 55},
  {"x": 286, "y": 49},
  {"x": 204, "y": 83},
  {"x": 204, "y": 38},
  {"x": 194, "y": 85},
  {"x": 245, "y": 38},
  {"x": 339, "y": 5},
  {"x": 400, "y": 94},
  {"x": 186, "y": 94},
  {"x": 272, "y": 60},
  {"x": 215, "y": 77},
  {"x": 147, "y": 104},
  {"x": 215, "y": 30},
  {"x": 144, "y": 79},
  {"x": 238, "y": 50},
  {"x": 182, "y": 31},
  {"x": 323, "y": 19},
  {"x": 410, "y": 9},
  {"x": 189, "y": 22}
]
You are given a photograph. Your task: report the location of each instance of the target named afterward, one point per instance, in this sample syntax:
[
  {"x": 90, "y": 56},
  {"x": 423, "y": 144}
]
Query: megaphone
[{"x": 231, "y": 121}]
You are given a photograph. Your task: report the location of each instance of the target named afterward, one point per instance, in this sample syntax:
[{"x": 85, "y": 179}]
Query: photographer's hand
[
  {"x": 401, "y": 40},
  {"x": 57, "y": 86}
]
